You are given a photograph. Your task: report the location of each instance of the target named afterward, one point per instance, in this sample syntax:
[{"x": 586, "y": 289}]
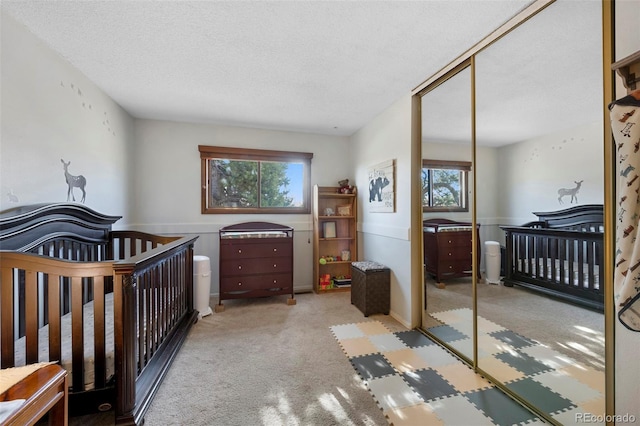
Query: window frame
[
  {"x": 465, "y": 168},
  {"x": 208, "y": 153}
]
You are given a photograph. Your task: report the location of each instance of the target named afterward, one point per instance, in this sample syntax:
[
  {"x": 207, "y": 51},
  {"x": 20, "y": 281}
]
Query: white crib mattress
[
  {"x": 65, "y": 324},
  {"x": 532, "y": 268}
]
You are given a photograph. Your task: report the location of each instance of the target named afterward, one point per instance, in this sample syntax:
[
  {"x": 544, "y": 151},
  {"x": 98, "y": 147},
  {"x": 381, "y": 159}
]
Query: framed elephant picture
[{"x": 382, "y": 187}]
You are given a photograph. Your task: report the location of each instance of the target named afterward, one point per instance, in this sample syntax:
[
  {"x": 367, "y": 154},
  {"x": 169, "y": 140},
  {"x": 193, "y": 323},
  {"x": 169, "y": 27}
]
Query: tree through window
[
  {"x": 236, "y": 180},
  {"x": 445, "y": 185}
]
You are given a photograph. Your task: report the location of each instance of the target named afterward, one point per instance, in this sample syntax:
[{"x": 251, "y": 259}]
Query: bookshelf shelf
[{"x": 342, "y": 215}]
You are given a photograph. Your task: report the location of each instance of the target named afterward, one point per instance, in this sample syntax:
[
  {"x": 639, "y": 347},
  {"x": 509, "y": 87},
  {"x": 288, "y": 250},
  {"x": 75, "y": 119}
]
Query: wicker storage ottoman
[{"x": 370, "y": 287}]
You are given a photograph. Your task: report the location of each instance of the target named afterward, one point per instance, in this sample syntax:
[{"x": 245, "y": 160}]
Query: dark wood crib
[
  {"x": 560, "y": 254},
  {"x": 112, "y": 307}
]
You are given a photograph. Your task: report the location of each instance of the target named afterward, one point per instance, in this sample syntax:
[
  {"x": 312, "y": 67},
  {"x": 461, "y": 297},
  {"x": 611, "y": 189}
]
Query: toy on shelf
[
  {"x": 328, "y": 259},
  {"x": 342, "y": 281},
  {"x": 345, "y": 188},
  {"x": 326, "y": 282}
]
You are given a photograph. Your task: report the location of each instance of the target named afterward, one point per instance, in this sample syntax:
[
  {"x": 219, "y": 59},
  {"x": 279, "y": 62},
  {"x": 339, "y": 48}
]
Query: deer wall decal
[
  {"x": 570, "y": 191},
  {"x": 73, "y": 182}
]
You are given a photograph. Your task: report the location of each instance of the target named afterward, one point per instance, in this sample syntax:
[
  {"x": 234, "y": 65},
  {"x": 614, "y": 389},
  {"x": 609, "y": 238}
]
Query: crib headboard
[
  {"x": 23, "y": 228},
  {"x": 588, "y": 217}
]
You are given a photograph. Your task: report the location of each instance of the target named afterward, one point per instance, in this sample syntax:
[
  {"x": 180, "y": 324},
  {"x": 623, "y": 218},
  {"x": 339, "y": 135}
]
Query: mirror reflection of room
[
  {"x": 446, "y": 179},
  {"x": 550, "y": 159},
  {"x": 539, "y": 210}
]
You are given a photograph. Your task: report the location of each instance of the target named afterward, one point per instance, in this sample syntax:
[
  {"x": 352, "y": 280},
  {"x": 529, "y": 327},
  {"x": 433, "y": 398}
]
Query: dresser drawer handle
[
  {"x": 239, "y": 266},
  {"x": 275, "y": 249},
  {"x": 275, "y": 281},
  {"x": 275, "y": 266},
  {"x": 239, "y": 250},
  {"x": 239, "y": 283}
]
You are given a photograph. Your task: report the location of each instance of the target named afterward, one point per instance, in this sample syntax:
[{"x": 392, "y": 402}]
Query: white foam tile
[
  {"x": 489, "y": 345},
  {"x": 346, "y": 331},
  {"x": 387, "y": 342},
  {"x": 436, "y": 356},
  {"x": 393, "y": 392},
  {"x": 453, "y": 316},
  {"x": 464, "y": 327},
  {"x": 548, "y": 356},
  {"x": 576, "y": 416},
  {"x": 458, "y": 411},
  {"x": 486, "y": 326}
]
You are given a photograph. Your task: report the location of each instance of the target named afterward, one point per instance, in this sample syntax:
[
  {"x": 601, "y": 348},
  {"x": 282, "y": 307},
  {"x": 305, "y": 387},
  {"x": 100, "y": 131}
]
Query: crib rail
[
  {"x": 126, "y": 244},
  {"x": 152, "y": 304},
  {"x": 118, "y": 245},
  {"x": 156, "y": 290},
  {"x": 563, "y": 263},
  {"x": 33, "y": 287}
]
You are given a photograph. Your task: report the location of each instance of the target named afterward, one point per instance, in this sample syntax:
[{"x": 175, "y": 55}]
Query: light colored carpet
[
  {"x": 570, "y": 329},
  {"x": 261, "y": 362}
]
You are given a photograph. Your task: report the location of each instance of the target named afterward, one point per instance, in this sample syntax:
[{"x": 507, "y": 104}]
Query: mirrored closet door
[
  {"x": 540, "y": 135},
  {"x": 535, "y": 323},
  {"x": 446, "y": 178}
]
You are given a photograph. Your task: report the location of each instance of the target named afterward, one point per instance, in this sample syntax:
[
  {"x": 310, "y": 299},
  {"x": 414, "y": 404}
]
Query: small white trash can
[
  {"x": 201, "y": 285},
  {"x": 492, "y": 261}
]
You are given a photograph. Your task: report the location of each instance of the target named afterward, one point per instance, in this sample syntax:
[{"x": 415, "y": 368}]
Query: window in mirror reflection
[{"x": 444, "y": 185}]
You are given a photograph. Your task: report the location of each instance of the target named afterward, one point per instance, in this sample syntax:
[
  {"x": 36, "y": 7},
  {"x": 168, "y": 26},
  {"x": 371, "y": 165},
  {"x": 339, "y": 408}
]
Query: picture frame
[
  {"x": 345, "y": 210},
  {"x": 329, "y": 229},
  {"x": 382, "y": 187}
]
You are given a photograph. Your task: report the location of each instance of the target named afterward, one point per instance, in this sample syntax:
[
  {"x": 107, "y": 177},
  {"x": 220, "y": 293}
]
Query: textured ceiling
[
  {"x": 544, "y": 77},
  {"x": 324, "y": 67}
]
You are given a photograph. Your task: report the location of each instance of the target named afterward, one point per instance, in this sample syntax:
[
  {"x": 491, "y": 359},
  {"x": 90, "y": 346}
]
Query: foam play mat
[{"x": 415, "y": 381}]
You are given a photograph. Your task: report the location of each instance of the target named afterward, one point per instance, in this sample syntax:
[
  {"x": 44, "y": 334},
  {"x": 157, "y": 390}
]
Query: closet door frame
[{"x": 468, "y": 59}]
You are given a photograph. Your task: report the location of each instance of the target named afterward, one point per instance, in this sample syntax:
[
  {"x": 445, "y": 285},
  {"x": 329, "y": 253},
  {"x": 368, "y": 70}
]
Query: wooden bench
[{"x": 45, "y": 391}]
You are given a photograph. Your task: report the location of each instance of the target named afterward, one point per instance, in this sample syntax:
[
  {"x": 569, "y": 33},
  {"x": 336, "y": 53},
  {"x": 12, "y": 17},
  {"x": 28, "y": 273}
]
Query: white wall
[
  {"x": 166, "y": 183},
  {"x": 531, "y": 172},
  {"x": 627, "y": 382},
  {"x": 51, "y": 111},
  {"x": 384, "y": 237},
  {"x": 627, "y": 34}
]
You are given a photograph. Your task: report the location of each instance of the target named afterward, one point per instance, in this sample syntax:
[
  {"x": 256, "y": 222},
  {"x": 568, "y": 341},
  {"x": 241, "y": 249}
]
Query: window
[
  {"x": 445, "y": 185},
  {"x": 237, "y": 180}
]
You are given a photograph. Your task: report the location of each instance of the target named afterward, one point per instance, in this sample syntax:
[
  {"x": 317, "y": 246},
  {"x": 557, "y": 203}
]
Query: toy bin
[{"x": 370, "y": 290}]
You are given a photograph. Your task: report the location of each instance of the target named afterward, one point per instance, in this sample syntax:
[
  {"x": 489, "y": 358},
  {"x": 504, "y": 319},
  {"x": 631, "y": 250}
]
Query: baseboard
[{"x": 401, "y": 320}]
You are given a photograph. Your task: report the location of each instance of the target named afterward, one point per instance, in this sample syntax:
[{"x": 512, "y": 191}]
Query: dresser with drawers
[
  {"x": 256, "y": 260},
  {"x": 448, "y": 248}
]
